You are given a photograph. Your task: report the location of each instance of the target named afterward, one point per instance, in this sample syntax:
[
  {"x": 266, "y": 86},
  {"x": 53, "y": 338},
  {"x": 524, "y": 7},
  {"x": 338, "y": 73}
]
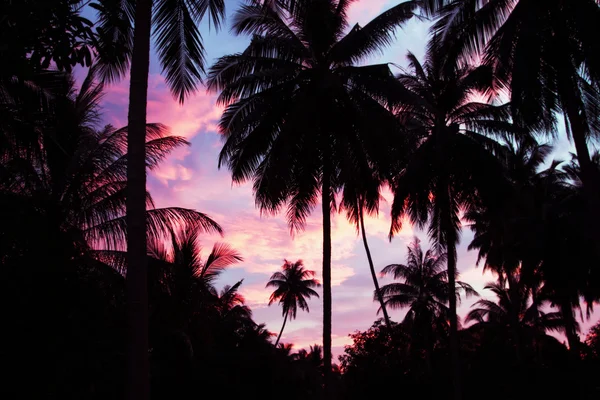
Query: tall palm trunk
[
  {"x": 454, "y": 356},
  {"x": 282, "y": 328},
  {"x": 590, "y": 178},
  {"x": 326, "y": 207},
  {"x": 372, "y": 267},
  {"x": 445, "y": 200},
  {"x": 514, "y": 295},
  {"x": 566, "y": 309},
  {"x": 136, "y": 279}
]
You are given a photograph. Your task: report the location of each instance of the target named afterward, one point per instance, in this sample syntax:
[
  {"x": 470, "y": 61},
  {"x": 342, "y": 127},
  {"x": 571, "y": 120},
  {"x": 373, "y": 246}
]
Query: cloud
[
  {"x": 199, "y": 113},
  {"x": 256, "y": 295}
]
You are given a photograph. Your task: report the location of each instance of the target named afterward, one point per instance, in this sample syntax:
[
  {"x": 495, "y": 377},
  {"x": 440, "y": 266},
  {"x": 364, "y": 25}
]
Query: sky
[{"x": 190, "y": 178}]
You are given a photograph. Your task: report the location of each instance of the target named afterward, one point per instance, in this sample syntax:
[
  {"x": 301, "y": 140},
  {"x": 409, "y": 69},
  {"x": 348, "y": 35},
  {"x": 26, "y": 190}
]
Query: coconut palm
[
  {"x": 424, "y": 290},
  {"x": 301, "y": 62},
  {"x": 515, "y": 311},
  {"x": 509, "y": 238},
  {"x": 124, "y": 37},
  {"x": 454, "y": 166},
  {"x": 521, "y": 40},
  {"x": 424, "y": 286},
  {"x": 538, "y": 231},
  {"x": 293, "y": 287},
  {"x": 185, "y": 277},
  {"x": 232, "y": 305}
]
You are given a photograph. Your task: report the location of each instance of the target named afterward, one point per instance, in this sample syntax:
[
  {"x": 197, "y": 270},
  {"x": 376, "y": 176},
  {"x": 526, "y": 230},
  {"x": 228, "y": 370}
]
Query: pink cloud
[
  {"x": 256, "y": 295},
  {"x": 199, "y": 113}
]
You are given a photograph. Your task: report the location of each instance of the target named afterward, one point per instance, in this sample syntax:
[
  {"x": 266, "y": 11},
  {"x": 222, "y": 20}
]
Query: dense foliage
[{"x": 457, "y": 137}]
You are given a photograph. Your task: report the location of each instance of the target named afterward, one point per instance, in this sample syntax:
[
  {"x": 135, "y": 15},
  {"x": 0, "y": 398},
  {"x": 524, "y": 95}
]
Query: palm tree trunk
[
  {"x": 454, "y": 355},
  {"x": 326, "y": 208},
  {"x": 444, "y": 198},
  {"x": 372, "y": 267},
  {"x": 566, "y": 310},
  {"x": 282, "y": 328},
  {"x": 590, "y": 178},
  {"x": 136, "y": 278},
  {"x": 514, "y": 288}
]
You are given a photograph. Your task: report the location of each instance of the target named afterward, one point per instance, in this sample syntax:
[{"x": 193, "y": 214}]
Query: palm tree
[
  {"x": 509, "y": 237},
  {"x": 64, "y": 197},
  {"x": 454, "y": 165},
  {"x": 232, "y": 305},
  {"x": 538, "y": 231},
  {"x": 424, "y": 290},
  {"x": 299, "y": 63},
  {"x": 187, "y": 279},
  {"x": 514, "y": 311},
  {"x": 293, "y": 287},
  {"x": 521, "y": 40},
  {"x": 124, "y": 36}
]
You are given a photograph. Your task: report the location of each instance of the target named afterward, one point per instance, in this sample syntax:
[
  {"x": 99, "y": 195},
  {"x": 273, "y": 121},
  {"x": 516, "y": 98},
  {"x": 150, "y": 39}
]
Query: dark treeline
[{"x": 463, "y": 138}]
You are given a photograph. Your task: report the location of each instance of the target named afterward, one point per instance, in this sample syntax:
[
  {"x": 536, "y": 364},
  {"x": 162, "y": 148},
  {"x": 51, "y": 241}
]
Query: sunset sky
[{"x": 190, "y": 178}]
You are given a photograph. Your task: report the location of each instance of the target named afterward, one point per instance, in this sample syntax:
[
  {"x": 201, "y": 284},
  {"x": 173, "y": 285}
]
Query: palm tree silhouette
[
  {"x": 514, "y": 311},
  {"x": 508, "y": 237},
  {"x": 454, "y": 166},
  {"x": 186, "y": 277},
  {"x": 232, "y": 305},
  {"x": 424, "y": 290},
  {"x": 537, "y": 232},
  {"x": 300, "y": 62},
  {"x": 293, "y": 287},
  {"x": 521, "y": 41},
  {"x": 124, "y": 37}
]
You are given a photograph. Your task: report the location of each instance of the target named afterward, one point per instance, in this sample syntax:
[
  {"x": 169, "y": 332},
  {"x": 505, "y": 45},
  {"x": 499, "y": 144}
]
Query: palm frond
[
  {"x": 115, "y": 37},
  {"x": 371, "y": 39},
  {"x": 159, "y": 223},
  {"x": 179, "y": 46},
  {"x": 221, "y": 257}
]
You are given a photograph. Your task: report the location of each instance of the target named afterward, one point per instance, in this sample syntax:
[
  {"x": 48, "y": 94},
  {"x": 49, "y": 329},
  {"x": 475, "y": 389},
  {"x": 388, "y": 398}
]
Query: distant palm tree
[
  {"x": 515, "y": 312},
  {"x": 424, "y": 290},
  {"x": 314, "y": 355},
  {"x": 300, "y": 63},
  {"x": 521, "y": 40},
  {"x": 124, "y": 29},
  {"x": 232, "y": 305},
  {"x": 187, "y": 278},
  {"x": 454, "y": 166},
  {"x": 292, "y": 287},
  {"x": 507, "y": 238}
]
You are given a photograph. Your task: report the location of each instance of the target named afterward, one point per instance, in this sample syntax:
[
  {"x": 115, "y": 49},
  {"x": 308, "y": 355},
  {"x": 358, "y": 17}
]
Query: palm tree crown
[
  {"x": 512, "y": 309},
  {"x": 424, "y": 286},
  {"x": 293, "y": 287}
]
